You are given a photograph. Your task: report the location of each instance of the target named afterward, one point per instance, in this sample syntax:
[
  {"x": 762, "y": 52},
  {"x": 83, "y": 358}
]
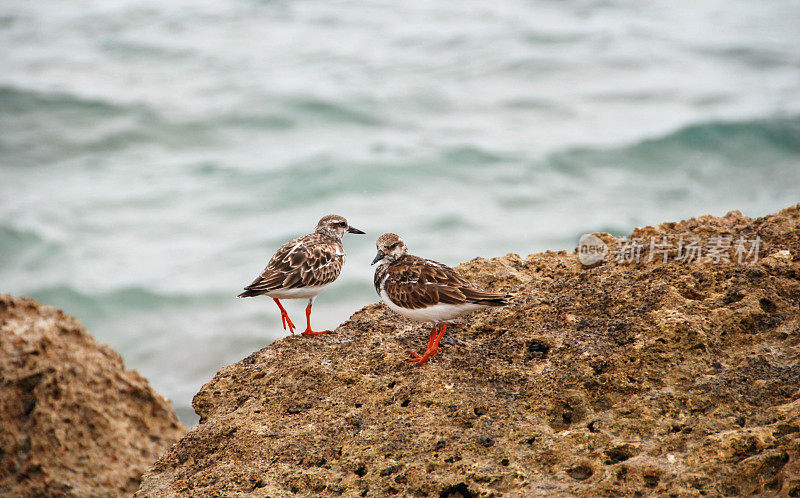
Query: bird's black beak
[
  {"x": 354, "y": 230},
  {"x": 378, "y": 257}
]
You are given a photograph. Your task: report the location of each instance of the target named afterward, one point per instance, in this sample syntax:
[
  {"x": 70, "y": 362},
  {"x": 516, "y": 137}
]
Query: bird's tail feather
[
  {"x": 488, "y": 298},
  {"x": 500, "y": 301}
]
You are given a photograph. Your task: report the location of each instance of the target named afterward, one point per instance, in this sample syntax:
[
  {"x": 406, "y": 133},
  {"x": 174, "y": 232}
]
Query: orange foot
[
  {"x": 313, "y": 332},
  {"x": 285, "y": 320},
  {"x": 308, "y": 330},
  {"x": 433, "y": 346},
  {"x": 419, "y": 360}
]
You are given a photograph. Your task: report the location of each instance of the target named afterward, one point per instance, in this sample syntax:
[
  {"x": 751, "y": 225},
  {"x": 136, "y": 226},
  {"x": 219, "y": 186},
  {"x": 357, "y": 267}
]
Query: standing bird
[
  {"x": 302, "y": 268},
  {"x": 425, "y": 291}
]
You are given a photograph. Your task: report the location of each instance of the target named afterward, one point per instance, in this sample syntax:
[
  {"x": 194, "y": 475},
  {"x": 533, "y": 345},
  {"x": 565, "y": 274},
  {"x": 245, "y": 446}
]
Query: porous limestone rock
[
  {"x": 73, "y": 420},
  {"x": 619, "y": 379}
]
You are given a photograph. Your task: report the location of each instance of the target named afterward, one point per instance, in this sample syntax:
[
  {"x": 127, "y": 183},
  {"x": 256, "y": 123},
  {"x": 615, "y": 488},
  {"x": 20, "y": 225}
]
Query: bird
[
  {"x": 303, "y": 267},
  {"x": 425, "y": 290}
]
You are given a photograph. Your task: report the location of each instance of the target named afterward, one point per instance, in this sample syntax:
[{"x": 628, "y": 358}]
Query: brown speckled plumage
[
  {"x": 412, "y": 282},
  {"x": 311, "y": 260}
]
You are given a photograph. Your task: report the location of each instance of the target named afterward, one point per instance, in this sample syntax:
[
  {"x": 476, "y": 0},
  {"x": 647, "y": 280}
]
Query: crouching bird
[
  {"x": 425, "y": 291},
  {"x": 302, "y": 268}
]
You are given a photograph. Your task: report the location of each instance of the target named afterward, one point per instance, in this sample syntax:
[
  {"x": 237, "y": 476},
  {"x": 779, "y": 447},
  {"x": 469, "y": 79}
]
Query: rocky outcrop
[
  {"x": 73, "y": 421},
  {"x": 624, "y": 378}
]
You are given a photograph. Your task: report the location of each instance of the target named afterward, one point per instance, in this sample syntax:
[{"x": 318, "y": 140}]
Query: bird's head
[
  {"x": 390, "y": 248},
  {"x": 335, "y": 226}
]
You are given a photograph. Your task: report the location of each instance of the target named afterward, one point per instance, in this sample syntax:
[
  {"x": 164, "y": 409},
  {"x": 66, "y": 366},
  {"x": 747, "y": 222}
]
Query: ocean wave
[
  {"x": 756, "y": 57},
  {"x": 14, "y": 242},
  {"x": 470, "y": 155},
  {"x": 68, "y": 125},
  {"x": 17, "y": 101},
  {"x": 746, "y": 143},
  {"x": 128, "y": 298},
  {"x": 329, "y": 111},
  {"x": 256, "y": 121},
  {"x": 11, "y": 237},
  {"x": 780, "y": 133}
]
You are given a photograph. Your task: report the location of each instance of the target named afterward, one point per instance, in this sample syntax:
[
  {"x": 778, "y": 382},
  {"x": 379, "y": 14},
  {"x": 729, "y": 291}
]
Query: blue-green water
[{"x": 154, "y": 154}]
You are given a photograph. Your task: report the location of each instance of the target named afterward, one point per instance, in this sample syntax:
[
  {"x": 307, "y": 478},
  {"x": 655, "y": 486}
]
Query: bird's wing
[
  {"x": 418, "y": 283},
  {"x": 307, "y": 261}
]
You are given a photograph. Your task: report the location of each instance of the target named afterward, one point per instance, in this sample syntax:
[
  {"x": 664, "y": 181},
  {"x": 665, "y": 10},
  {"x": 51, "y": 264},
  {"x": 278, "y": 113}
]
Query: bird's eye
[
  {"x": 393, "y": 245},
  {"x": 342, "y": 224}
]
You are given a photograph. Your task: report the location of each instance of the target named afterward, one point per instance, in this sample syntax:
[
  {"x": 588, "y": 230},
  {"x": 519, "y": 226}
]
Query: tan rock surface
[
  {"x": 621, "y": 379},
  {"x": 73, "y": 420}
]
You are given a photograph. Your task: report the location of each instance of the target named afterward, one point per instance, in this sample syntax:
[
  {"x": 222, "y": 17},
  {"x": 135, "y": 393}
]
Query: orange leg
[
  {"x": 433, "y": 346},
  {"x": 308, "y": 330},
  {"x": 433, "y": 336},
  {"x": 434, "y": 331},
  {"x": 285, "y": 320}
]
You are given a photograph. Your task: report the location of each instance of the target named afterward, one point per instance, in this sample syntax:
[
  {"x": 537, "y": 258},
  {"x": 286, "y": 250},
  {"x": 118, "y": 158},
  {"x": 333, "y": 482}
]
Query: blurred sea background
[{"x": 154, "y": 154}]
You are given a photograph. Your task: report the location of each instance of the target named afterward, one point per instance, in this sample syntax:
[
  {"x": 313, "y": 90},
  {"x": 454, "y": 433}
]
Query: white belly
[
  {"x": 435, "y": 313},
  {"x": 299, "y": 293}
]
